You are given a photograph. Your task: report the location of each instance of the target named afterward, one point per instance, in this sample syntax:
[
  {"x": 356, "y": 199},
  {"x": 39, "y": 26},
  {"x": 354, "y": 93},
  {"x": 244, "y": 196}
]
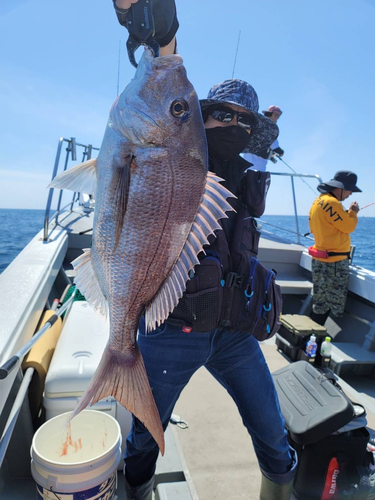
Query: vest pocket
[
  {"x": 200, "y": 306},
  {"x": 261, "y": 302}
]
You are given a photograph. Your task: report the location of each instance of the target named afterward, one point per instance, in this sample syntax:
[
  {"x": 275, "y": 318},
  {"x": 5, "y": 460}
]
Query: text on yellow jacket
[{"x": 331, "y": 226}]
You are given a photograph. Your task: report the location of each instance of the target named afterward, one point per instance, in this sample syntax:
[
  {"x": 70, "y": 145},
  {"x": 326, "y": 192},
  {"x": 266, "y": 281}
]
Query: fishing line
[
  {"x": 292, "y": 169},
  {"x": 118, "y": 66},
  {"x": 287, "y": 230},
  {"x": 235, "y": 57}
]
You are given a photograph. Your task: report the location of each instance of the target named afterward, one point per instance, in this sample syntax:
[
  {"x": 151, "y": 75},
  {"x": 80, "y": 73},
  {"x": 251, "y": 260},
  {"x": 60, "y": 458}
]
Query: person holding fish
[
  {"x": 172, "y": 260},
  {"x": 200, "y": 331}
]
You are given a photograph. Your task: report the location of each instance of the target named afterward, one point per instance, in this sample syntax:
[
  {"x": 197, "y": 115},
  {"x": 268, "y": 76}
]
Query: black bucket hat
[
  {"x": 243, "y": 94},
  {"x": 344, "y": 179}
]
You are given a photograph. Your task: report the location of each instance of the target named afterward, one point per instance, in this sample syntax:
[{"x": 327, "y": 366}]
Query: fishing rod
[
  {"x": 369, "y": 205},
  {"x": 292, "y": 169},
  {"x": 9, "y": 365}
]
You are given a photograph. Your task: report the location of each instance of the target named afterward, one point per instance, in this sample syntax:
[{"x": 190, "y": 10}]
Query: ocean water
[
  {"x": 18, "y": 227},
  {"x": 363, "y": 237}
]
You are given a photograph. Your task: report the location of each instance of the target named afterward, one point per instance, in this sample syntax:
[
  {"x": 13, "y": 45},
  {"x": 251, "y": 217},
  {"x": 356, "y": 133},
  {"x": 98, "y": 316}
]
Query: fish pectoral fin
[
  {"x": 212, "y": 208},
  {"x": 80, "y": 178},
  {"x": 87, "y": 282},
  {"x": 119, "y": 192},
  {"x": 123, "y": 376}
]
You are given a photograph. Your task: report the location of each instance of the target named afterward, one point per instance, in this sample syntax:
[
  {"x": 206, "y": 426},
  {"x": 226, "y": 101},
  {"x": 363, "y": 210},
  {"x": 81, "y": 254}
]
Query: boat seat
[
  {"x": 296, "y": 285},
  {"x": 346, "y": 353}
]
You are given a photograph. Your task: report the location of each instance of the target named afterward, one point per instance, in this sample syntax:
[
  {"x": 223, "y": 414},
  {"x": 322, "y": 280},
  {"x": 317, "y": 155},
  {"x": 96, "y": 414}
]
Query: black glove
[
  {"x": 278, "y": 151},
  {"x": 165, "y": 19}
]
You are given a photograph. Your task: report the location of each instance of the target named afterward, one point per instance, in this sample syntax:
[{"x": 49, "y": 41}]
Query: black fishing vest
[{"x": 219, "y": 290}]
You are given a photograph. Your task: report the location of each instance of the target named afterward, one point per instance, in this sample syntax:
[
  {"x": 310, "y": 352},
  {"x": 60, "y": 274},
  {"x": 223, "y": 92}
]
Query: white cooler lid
[{"x": 82, "y": 341}]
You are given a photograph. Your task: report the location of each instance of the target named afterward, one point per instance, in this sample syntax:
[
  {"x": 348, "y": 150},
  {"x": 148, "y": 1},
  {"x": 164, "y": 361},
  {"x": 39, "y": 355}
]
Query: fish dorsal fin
[
  {"x": 87, "y": 282},
  {"x": 80, "y": 178},
  {"x": 212, "y": 208}
]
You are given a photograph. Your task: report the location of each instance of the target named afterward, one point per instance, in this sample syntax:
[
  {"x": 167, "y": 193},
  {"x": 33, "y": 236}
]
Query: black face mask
[{"x": 226, "y": 142}]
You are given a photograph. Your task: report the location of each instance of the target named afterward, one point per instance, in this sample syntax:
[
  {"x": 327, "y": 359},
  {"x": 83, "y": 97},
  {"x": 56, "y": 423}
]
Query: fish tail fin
[{"x": 123, "y": 375}]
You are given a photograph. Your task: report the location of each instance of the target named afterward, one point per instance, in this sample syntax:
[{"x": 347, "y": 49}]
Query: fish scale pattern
[{"x": 213, "y": 207}]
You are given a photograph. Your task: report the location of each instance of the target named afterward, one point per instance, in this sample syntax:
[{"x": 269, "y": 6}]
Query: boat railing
[
  {"x": 292, "y": 175},
  {"x": 71, "y": 154}
]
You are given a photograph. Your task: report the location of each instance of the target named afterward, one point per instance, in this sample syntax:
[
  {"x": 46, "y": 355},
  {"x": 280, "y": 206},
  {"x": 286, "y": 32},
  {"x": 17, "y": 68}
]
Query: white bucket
[{"x": 77, "y": 463}]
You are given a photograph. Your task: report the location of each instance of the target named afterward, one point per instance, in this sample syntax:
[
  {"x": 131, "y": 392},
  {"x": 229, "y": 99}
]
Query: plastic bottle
[
  {"x": 311, "y": 347},
  {"x": 326, "y": 348}
]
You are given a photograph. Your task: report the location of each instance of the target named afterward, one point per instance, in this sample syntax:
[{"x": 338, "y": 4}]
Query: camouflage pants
[{"x": 330, "y": 281}]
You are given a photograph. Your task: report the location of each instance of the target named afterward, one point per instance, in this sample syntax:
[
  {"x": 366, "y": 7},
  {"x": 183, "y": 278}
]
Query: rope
[{"x": 78, "y": 296}]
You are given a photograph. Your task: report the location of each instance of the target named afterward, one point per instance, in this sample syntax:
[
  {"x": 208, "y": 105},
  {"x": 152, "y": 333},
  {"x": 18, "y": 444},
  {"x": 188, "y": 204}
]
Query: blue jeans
[{"x": 236, "y": 361}]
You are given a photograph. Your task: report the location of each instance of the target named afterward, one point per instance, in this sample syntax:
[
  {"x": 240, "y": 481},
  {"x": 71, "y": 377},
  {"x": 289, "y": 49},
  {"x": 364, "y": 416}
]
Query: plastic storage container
[
  {"x": 294, "y": 333},
  {"x": 297, "y": 328}
]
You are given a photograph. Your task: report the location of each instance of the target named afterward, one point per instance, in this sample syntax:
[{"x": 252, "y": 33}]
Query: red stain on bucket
[{"x": 76, "y": 445}]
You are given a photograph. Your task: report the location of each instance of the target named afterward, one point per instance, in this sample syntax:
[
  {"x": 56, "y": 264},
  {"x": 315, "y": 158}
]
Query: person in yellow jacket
[{"x": 331, "y": 225}]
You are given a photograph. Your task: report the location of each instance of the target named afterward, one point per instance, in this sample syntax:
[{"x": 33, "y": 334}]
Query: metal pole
[
  {"x": 50, "y": 194},
  {"x": 295, "y": 211},
  {"x": 68, "y": 149},
  {"x": 13, "y": 416}
]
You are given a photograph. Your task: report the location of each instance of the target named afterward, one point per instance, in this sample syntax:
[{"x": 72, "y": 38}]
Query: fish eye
[{"x": 179, "y": 108}]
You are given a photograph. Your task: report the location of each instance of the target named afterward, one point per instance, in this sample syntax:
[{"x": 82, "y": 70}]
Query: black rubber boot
[
  {"x": 319, "y": 318},
  {"x": 273, "y": 491},
  {"x": 142, "y": 492}
]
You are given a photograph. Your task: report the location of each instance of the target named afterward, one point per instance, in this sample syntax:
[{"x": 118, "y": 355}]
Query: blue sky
[{"x": 313, "y": 58}]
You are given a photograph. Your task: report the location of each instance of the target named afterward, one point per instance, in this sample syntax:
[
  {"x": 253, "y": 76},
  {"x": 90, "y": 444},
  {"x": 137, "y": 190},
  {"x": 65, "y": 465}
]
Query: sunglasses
[{"x": 226, "y": 115}]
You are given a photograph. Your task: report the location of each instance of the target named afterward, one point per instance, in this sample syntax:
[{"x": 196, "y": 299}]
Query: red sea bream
[{"x": 155, "y": 206}]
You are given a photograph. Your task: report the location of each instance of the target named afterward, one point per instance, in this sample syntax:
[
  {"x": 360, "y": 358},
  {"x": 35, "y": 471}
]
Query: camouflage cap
[{"x": 242, "y": 94}]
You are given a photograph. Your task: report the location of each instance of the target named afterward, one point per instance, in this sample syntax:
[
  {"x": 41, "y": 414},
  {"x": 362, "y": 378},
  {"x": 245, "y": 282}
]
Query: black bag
[
  {"x": 315, "y": 407},
  {"x": 329, "y": 466},
  {"x": 256, "y": 305}
]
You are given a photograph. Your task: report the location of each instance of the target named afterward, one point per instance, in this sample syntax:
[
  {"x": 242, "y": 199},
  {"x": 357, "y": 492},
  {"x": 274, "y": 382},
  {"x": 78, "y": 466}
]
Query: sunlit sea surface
[{"x": 18, "y": 227}]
